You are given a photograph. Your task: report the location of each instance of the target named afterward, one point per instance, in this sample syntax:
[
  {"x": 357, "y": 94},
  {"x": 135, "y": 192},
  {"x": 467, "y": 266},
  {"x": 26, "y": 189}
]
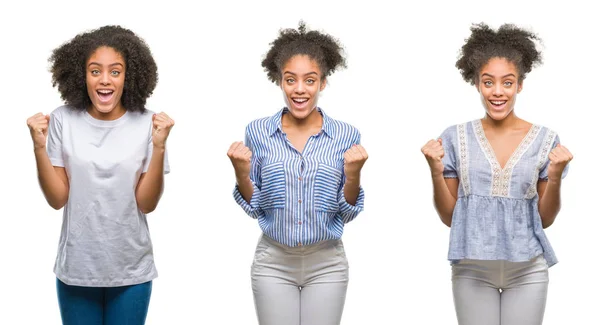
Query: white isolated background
[{"x": 400, "y": 89}]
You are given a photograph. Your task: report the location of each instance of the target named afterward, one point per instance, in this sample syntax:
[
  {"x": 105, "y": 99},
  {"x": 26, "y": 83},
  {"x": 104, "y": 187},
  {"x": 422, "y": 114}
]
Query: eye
[
  {"x": 95, "y": 72},
  {"x": 115, "y": 73},
  {"x": 310, "y": 81},
  {"x": 487, "y": 83},
  {"x": 289, "y": 80},
  {"x": 508, "y": 83}
]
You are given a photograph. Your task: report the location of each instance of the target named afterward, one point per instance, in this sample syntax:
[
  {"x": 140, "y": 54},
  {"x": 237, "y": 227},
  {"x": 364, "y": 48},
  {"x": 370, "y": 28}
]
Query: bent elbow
[
  {"x": 57, "y": 204},
  {"x": 147, "y": 209}
]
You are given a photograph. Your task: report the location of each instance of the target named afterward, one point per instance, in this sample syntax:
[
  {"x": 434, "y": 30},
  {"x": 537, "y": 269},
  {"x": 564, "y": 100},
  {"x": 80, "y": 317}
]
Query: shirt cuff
[
  {"x": 349, "y": 211},
  {"x": 252, "y": 208}
]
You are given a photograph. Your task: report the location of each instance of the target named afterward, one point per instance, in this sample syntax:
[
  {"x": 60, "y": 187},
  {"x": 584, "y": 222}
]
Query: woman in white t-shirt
[{"x": 104, "y": 163}]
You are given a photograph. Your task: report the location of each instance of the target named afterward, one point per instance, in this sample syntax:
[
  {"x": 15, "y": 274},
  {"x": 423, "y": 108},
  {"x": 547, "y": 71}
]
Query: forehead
[
  {"x": 499, "y": 67},
  {"x": 106, "y": 55},
  {"x": 301, "y": 64}
]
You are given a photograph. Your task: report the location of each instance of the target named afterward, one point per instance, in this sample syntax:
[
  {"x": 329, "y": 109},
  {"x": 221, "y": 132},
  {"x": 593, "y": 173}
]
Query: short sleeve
[
  {"x": 448, "y": 140},
  {"x": 54, "y": 146},
  {"x": 544, "y": 170}
]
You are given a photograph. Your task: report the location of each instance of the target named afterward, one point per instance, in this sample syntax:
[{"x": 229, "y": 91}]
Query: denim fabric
[{"x": 126, "y": 305}]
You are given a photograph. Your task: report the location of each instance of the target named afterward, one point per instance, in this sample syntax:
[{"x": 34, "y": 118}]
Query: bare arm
[
  {"x": 445, "y": 190},
  {"x": 53, "y": 180},
  {"x": 549, "y": 191},
  {"x": 151, "y": 184},
  {"x": 445, "y": 193},
  {"x": 549, "y": 202}
]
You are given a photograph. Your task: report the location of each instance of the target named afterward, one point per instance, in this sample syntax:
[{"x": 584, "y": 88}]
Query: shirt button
[
  {"x": 299, "y": 201},
  {"x": 299, "y": 178},
  {"x": 299, "y": 222},
  {"x": 299, "y": 244}
]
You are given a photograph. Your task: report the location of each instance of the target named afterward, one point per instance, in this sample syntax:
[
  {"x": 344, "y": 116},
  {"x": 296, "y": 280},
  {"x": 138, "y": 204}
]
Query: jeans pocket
[{"x": 327, "y": 184}]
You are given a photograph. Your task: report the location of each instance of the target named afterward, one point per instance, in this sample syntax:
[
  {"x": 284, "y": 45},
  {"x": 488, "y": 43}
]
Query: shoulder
[
  {"x": 341, "y": 128},
  {"x": 259, "y": 128},
  {"x": 141, "y": 117},
  {"x": 66, "y": 114}
]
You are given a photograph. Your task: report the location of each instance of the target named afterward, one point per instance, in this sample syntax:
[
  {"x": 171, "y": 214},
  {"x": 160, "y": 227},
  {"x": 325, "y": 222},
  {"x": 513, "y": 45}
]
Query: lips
[
  {"x": 300, "y": 102},
  {"x": 105, "y": 95},
  {"x": 498, "y": 104}
]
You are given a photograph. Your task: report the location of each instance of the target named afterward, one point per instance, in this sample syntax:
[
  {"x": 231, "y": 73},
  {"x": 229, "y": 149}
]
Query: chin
[{"x": 497, "y": 116}]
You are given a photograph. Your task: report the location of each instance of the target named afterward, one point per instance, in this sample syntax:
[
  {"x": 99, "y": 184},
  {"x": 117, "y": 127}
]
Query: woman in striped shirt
[{"x": 298, "y": 173}]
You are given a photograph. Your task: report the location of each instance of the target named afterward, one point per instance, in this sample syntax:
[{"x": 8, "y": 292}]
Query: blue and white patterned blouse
[
  {"x": 496, "y": 215},
  {"x": 298, "y": 197}
]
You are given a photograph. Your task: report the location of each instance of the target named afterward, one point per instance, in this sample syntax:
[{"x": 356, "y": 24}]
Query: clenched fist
[
  {"x": 559, "y": 158},
  {"x": 161, "y": 127},
  {"x": 241, "y": 158},
  {"x": 38, "y": 127},
  {"x": 434, "y": 152},
  {"x": 354, "y": 159}
]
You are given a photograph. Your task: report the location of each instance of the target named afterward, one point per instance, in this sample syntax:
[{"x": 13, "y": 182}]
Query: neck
[
  {"x": 510, "y": 121},
  {"x": 313, "y": 120},
  {"x": 114, "y": 114}
]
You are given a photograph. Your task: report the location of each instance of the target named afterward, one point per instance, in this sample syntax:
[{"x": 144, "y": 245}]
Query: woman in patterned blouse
[{"x": 496, "y": 182}]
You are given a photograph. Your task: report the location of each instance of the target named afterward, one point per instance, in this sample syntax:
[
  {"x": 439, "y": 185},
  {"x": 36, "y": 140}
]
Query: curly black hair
[
  {"x": 323, "y": 48},
  {"x": 69, "y": 72},
  {"x": 510, "y": 42}
]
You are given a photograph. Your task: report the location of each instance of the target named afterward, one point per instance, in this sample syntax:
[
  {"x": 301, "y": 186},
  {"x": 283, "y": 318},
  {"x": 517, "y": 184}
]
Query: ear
[
  {"x": 323, "y": 84},
  {"x": 520, "y": 87}
]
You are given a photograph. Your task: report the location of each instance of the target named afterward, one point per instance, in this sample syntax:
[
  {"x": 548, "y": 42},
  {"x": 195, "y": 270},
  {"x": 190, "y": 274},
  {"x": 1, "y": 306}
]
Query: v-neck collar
[{"x": 514, "y": 157}]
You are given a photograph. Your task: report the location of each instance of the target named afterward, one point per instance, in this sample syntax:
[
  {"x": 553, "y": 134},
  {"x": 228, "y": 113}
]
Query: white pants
[
  {"x": 303, "y": 285},
  {"x": 500, "y": 292}
]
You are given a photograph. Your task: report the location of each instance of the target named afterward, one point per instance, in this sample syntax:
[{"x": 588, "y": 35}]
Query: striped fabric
[{"x": 298, "y": 197}]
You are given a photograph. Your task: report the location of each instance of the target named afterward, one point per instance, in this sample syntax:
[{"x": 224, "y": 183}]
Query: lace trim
[
  {"x": 543, "y": 156},
  {"x": 501, "y": 176},
  {"x": 464, "y": 161}
]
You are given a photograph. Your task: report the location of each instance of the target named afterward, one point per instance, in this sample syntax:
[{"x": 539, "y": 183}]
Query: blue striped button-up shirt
[{"x": 298, "y": 196}]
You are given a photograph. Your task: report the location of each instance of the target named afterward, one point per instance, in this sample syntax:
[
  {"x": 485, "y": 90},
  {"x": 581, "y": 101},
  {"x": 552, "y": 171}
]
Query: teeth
[
  {"x": 498, "y": 102},
  {"x": 300, "y": 100},
  {"x": 103, "y": 91}
]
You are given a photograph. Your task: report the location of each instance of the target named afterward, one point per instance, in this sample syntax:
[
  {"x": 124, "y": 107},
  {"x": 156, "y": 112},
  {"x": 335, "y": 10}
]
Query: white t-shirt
[{"x": 104, "y": 240}]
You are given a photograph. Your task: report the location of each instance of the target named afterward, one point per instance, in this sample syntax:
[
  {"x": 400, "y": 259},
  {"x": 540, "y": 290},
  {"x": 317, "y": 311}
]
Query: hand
[
  {"x": 434, "y": 152},
  {"x": 38, "y": 127},
  {"x": 161, "y": 127},
  {"x": 354, "y": 159},
  {"x": 559, "y": 158},
  {"x": 241, "y": 158}
]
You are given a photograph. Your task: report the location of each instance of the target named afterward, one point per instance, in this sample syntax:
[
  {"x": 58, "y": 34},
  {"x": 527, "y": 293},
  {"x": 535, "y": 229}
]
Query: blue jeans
[{"x": 127, "y": 305}]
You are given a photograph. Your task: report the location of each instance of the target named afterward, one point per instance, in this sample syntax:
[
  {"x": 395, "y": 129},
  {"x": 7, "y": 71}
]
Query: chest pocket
[
  {"x": 273, "y": 186},
  {"x": 327, "y": 182}
]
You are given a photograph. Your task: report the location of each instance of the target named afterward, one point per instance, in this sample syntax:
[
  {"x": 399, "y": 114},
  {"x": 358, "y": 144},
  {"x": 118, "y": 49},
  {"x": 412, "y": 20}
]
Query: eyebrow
[
  {"x": 508, "y": 75},
  {"x": 293, "y": 74},
  {"x": 96, "y": 63}
]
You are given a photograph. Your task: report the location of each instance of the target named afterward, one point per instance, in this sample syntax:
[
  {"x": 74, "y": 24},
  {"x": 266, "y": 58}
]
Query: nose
[
  {"x": 105, "y": 79},
  {"x": 497, "y": 90},
  {"x": 300, "y": 88}
]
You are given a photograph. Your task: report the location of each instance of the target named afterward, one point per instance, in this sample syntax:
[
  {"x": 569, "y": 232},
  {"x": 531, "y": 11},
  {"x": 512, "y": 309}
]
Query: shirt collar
[{"x": 275, "y": 123}]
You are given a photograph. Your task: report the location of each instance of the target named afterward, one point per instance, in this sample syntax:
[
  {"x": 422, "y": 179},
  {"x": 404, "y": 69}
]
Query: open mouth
[
  {"x": 499, "y": 104},
  {"x": 300, "y": 102},
  {"x": 105, "y": 95}
]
